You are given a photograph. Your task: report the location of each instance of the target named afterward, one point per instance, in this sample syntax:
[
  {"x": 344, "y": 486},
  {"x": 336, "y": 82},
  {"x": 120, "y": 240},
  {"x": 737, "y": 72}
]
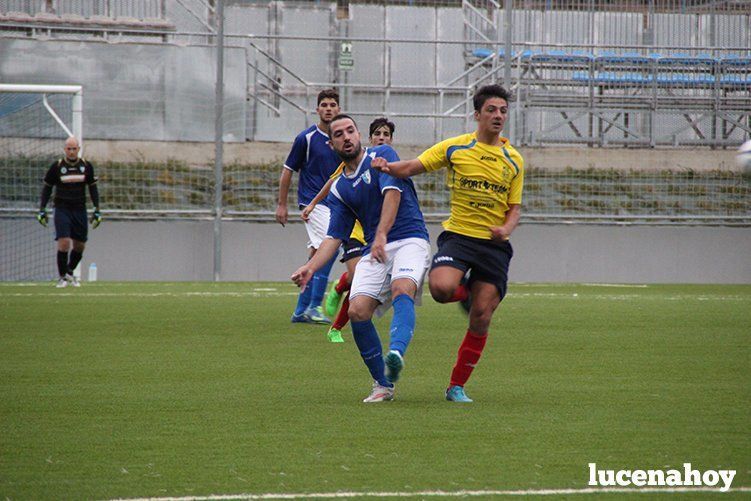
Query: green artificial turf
[{"x": 163, "y": 389}]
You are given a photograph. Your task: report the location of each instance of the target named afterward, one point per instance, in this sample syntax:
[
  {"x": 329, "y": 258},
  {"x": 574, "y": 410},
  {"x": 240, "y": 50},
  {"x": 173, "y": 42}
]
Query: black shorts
[
  {"x": 488, "y": 259},
  {"x": 71, "y": 223},
  {"x": 352, "y": 248}
]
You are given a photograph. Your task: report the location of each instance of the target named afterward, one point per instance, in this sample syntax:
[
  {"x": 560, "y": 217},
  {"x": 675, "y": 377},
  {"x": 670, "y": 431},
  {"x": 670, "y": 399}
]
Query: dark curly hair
[
  {"x": 328, "y": 94},
  {"x": 380, "y": 122},
  {"x": 488, "y": 91}
]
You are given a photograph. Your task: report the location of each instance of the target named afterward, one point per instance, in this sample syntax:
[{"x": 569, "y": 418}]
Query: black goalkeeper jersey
[{"x": 70, "y": 180}]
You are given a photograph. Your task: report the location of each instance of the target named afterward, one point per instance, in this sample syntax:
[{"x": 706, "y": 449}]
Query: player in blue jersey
[
  {"x": 397, "y": 253},
  {"x": 381, "y": 132},
  {"x": 312, "y": 157}
]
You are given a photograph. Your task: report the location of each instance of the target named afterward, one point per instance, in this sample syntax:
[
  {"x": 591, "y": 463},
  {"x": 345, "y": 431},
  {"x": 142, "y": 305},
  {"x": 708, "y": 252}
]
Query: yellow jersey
[
  {"x": 357, "y": 231},
  {"x": 483, "y": 179}
]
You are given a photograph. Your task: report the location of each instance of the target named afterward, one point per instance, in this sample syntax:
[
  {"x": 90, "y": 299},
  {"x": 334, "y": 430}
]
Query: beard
[{"x": 349, "y": 155}]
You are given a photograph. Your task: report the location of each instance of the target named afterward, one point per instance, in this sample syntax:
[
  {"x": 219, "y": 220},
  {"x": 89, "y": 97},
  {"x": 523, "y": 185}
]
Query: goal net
[{"x": 35, "y": 120}]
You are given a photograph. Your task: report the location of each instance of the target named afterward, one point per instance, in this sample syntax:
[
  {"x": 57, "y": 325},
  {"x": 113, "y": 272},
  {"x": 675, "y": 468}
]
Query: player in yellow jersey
[
  {"x": 381, "y": 132},
  {"x": 485, "y": 175}
]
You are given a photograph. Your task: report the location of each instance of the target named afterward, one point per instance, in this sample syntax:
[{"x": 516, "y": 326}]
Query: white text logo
[{"x": 640, "y": 478}]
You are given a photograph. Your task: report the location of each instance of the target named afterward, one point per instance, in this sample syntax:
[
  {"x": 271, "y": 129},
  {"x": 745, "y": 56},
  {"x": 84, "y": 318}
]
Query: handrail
[
  {"x": 198, "y": 18},
  {"x": 477, "y": 12},
  {"x": 278, "y": 63}
]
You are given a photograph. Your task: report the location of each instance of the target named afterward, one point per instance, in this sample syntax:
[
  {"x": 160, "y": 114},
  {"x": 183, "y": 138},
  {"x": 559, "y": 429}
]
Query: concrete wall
[
  {"x": 135, "y": 91},
  {"x": 183, "y": 251}
]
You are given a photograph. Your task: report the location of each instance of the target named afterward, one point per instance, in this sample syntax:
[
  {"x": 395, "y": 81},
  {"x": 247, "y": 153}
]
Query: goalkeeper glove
[
  {"x": 42, "y": 217},
  {"x": 96, "y": 218}
]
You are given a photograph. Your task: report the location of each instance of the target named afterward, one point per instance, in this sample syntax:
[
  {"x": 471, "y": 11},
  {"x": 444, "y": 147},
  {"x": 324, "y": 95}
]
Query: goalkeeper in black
[{"x": 69, "y": 176}]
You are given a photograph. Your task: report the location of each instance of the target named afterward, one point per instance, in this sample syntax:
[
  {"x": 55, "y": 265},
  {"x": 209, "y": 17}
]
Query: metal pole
[
  {"x": 218, "y": 133},
  {"x": 508, "y": 30},
  {"x": 78, "y": 116}
]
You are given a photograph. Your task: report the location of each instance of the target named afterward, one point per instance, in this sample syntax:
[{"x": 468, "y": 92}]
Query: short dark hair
[
  {"x": 328, "y": 94},
  {"x": 342, "y": 116},
  {"x": 380, "y": 122},
  {"x": 488, "y": 91}
]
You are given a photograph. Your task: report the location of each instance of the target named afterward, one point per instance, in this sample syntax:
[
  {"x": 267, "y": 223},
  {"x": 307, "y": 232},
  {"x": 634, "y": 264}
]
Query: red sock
[
  {"x": 460, "y": 294},
  {"x": 343, "y": 317},
  {"x": 468, "y": 356},
  {"x": 342, "y": 284}
]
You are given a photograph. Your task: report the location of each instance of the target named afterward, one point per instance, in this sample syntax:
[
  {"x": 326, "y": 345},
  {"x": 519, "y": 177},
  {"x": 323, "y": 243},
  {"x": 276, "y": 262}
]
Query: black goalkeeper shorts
[{"x": 71, "y": 223}]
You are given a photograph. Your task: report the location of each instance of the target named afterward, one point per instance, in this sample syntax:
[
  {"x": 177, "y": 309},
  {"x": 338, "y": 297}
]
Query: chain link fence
[{"x": 588, "y": 74}]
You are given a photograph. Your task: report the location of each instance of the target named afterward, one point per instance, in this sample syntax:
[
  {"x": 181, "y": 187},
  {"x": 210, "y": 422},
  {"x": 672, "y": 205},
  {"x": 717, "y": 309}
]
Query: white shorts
[
  {"x": 407, "y": 258},
  {"x": 317, "y": 225}
]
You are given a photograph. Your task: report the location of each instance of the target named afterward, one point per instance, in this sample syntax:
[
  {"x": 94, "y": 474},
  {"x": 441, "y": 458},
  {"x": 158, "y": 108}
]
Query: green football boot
[
  {"x": 332, "y": 301},
  {"x": 335, "y": 335}
]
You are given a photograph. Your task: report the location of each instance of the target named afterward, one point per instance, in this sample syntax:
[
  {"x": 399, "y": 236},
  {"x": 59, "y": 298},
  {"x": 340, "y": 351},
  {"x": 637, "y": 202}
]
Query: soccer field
[{"x": 131, "y": 390}]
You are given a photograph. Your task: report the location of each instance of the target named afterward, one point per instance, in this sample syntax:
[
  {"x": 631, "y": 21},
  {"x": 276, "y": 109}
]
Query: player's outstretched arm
[
  {"x": 305, "y": 214},
  {"x": 282, "y": 213},
  {"x": 325, "y": 252},
  {"x": 402, "y": 168}
]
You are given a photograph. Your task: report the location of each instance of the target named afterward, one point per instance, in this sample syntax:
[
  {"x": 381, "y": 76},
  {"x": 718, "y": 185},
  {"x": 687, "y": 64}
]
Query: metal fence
[
  {"x": 585, "y": 73},
  {"x": 99, "y": 9},
  {"x": 641, "y": 73},
  {"x": 593, "y": 74}
]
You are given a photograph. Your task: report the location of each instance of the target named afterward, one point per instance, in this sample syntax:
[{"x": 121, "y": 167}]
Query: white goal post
[
  {"x": 34, "y": 122},
  {"x": 76, "y": 126}
]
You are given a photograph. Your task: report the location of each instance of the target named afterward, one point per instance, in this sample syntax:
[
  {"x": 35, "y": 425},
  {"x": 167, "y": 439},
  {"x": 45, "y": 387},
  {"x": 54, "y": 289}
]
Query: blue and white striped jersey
[
  {"x": 360, "y": 196},
  {"x": 314, "y": 159}
]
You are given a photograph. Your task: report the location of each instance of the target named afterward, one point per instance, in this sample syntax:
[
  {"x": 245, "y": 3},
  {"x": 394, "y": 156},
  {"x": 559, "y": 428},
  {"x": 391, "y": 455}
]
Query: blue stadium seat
[
  {"x": 483, "y": 53},
  {"x": 686, "y": 80},
  {"x": 624, "y": 58},
  {"x": 736, "y": 60},
  {"x": 735, "y": 81},
  {"x": 624, "y": 78},
  {"x": 560, "y": 56},
  {"x": 687, "y": 59},
  {"x": 528, "y": 54},
  {"x": 610, "y": 77}
]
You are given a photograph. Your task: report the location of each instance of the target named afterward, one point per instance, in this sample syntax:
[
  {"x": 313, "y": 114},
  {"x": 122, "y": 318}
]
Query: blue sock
[
  {"x": 403, "y": 323},
  {"x": 303, "y": 299},
  {"x": 369, "y": 344},
  {"x": 320, "y": 282}
]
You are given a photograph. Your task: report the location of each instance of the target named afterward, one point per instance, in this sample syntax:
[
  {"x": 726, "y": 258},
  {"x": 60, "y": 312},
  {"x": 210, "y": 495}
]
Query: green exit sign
[{"x": 346, "y": 59}]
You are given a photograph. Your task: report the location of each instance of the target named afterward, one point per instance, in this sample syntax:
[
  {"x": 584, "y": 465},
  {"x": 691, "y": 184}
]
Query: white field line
[
  {"x": 529, "y": 492},
  {"x": 258, "y": 293},
  {"x": 630, "y": 286},
  {"x": 150, "y": 294}
]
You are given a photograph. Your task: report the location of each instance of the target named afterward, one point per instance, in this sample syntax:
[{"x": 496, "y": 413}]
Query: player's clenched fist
[
  {"x": 302, "y": 276},
  {"x": 380, "y": 164}
]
